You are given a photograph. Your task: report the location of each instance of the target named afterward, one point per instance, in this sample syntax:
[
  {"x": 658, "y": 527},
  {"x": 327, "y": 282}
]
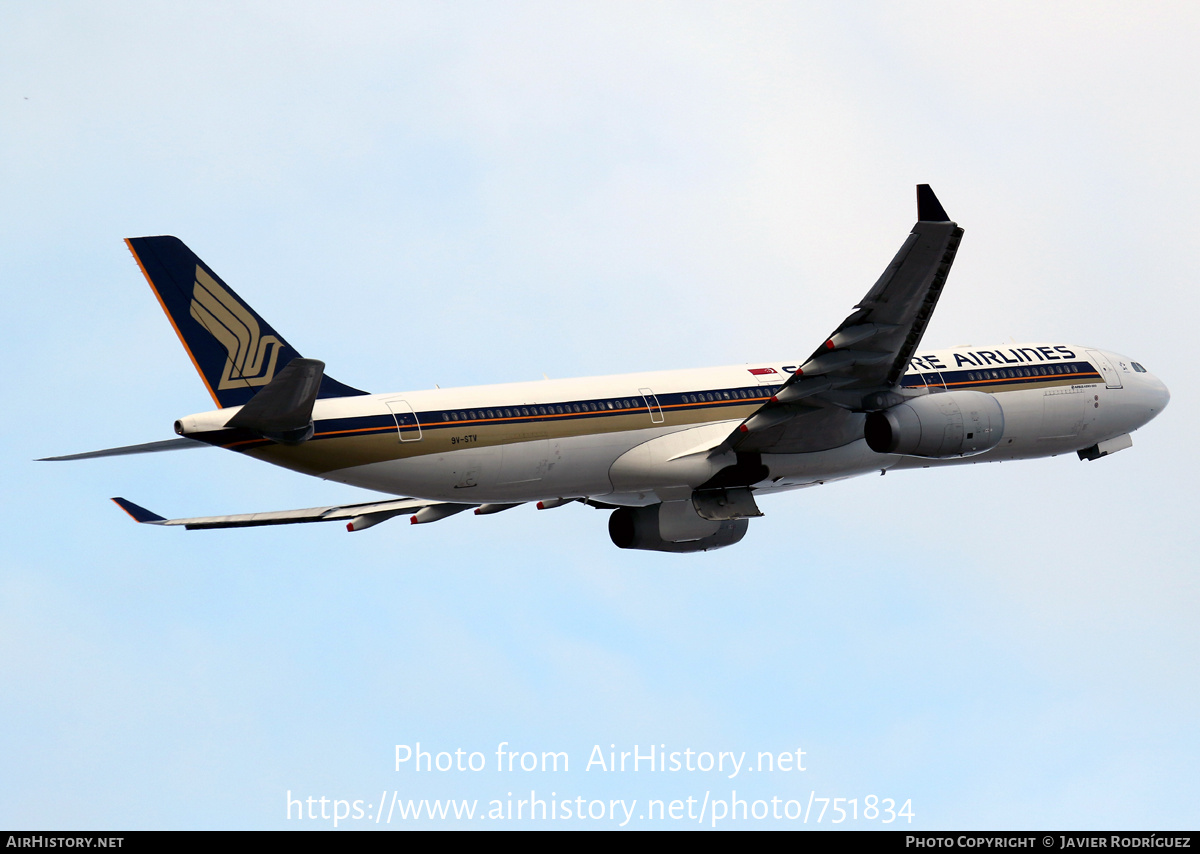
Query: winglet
[
  {"x": 929, "y": 209},
  {"x": 139, "y": 514}
]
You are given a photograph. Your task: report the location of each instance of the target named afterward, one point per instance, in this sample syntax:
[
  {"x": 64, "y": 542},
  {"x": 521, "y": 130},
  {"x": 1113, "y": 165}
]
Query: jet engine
[
  {"x": 938, "y": 426},
  {"x": 673, "y": 526}
]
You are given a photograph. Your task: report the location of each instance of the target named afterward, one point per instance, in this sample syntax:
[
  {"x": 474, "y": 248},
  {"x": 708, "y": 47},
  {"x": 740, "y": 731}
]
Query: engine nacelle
[
  {"x": 673, "y": 526},
  {"x": 938, "y": 426}
]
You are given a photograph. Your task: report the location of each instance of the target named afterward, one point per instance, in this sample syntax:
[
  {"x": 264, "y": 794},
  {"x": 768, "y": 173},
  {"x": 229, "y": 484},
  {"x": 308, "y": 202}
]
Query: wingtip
[
  {"x": 138, "y": 514},
  {"x": 929, "y": 209}
]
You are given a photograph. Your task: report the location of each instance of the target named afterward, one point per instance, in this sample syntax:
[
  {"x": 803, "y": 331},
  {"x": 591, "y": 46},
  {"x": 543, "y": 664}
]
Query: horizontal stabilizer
[
  {"x": 147, "y": 448},
  {"x": 342, "y": 513},
  {"x": 282, "y": 409}
]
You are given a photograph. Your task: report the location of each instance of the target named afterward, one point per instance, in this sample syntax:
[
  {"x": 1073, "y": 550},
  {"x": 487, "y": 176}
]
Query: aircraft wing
[
  {"x": 357, "y": 516},
  {"x": 822, "y": 404}
]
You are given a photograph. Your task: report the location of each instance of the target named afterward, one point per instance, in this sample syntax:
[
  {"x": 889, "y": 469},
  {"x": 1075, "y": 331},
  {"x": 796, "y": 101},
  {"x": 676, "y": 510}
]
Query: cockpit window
[{"x": 1138, "y": 368}]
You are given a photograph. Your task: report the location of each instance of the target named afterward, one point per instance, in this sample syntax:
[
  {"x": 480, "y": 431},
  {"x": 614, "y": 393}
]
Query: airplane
[{"x": 680, "y": 458}]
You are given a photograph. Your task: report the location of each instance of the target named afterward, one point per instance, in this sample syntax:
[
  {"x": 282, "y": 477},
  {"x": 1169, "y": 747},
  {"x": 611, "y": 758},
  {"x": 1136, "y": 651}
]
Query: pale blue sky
[{"x": 472, "y": 193}]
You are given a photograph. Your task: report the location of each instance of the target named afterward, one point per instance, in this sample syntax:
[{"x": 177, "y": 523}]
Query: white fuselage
[{"x": 639, "y": 439}]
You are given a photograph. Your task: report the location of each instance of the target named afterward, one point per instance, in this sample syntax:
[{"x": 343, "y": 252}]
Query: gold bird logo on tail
[{"x": 218, "y": 311}]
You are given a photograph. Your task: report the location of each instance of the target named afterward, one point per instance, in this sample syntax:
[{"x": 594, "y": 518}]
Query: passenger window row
[
  {"x": 614, "y": 405},
  {"x": 1038, "y": 371},
  {"x": 730, "y": 394}
]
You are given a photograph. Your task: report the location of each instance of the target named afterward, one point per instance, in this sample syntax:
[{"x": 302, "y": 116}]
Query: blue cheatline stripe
[
  {"x": 241, "y": 440},
  {"x": 690, "y": 401},
  {"x": 982, "y": 378}
]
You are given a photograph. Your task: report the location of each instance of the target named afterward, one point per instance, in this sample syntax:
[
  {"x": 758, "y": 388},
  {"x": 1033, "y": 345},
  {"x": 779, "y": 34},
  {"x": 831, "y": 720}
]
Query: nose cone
[
  {"x": 1159, "y": 395},
  {"x": 1150, "y": 397}
]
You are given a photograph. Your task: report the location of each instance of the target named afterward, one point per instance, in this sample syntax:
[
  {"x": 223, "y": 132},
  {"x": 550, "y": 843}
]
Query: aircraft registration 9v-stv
[{"x": 679, "y": 457}]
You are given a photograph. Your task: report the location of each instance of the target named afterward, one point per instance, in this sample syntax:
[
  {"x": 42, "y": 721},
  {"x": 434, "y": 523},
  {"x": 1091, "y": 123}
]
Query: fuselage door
[
  {"x": 768, "y": 376},
  {"x": 933, "y": 381},
  {"x": 407, "y": 424},
  {"x": 656, "y": 413},
  {"x": 1111, "y": 378}
]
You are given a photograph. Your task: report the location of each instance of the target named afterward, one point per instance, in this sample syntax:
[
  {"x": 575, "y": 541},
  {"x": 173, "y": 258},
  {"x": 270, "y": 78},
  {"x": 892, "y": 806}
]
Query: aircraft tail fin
[{"x": 234, "y": 350}]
